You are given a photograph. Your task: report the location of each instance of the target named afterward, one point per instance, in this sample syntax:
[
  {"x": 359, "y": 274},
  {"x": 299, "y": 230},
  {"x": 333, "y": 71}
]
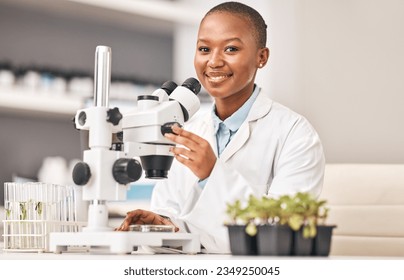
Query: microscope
[{"x": 107, "y": 169}]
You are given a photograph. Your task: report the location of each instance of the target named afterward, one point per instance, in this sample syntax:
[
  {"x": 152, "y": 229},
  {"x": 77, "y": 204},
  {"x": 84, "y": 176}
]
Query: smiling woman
[
  {"x": 227, "y": 58},
  {"x": 246, "y": 144}
]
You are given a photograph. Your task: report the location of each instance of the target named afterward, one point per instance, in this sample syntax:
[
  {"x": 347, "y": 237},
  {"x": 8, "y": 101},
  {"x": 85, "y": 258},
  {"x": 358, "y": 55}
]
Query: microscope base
[{"x": 123, "y": 242}]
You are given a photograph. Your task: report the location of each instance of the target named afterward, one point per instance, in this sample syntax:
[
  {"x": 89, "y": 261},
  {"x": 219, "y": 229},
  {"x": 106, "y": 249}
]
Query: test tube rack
[{"x": 33, "y": 210}]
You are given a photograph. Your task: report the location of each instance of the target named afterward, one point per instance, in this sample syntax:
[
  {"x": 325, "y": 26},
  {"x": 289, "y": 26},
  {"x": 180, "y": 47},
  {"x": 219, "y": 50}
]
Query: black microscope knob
[
  {"x": 81, "y": 173},
  {"x": 167, "y": 127},
  {"x": 126, "y": 170},
  {"x": 114, "y": 116}
]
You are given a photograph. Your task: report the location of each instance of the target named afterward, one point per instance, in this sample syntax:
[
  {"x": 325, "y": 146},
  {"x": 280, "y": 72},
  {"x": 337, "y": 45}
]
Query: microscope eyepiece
[
  {"x": 169, "y": 86},
  {"x": 183, "y": 95},
  {"x": 192, "y": 84},
  {"x": 144, "y": 128},
  {"x": 148, "y": 97}
]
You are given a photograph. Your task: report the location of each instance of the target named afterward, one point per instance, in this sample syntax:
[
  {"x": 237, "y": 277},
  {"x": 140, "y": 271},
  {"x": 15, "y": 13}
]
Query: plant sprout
[
  {"x": 23, "y": 210},
  {"x": 38, "y": 208},
  {"x": 8, "y": 213},
  {"x": 299, "y": 211}
]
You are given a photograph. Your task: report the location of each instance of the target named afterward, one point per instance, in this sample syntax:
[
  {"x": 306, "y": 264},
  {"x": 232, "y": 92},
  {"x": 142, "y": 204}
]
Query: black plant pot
[
  {"x": 240, "y": 242},
  {"x": 301, "y": 246},
  {"x": 274, "y": 240},
  {"x": 322, "y": 241}
]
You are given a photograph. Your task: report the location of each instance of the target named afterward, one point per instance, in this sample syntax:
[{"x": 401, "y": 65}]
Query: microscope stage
[{"x": 123, "y": 242}]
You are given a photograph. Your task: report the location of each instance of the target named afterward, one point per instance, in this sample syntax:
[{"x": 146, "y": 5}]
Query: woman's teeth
[{"x": 217, "y": 78}]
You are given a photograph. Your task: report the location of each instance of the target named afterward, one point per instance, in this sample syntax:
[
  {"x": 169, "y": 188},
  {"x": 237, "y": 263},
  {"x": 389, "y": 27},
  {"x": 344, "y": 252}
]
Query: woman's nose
[{"x": 215, "y": 60}]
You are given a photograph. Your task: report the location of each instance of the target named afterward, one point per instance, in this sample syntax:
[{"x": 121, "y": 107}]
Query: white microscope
[{"x": 105, "y": 173}]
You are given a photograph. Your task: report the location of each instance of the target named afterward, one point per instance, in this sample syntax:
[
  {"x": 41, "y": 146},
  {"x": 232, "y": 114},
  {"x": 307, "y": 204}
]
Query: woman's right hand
[
  {"x": 197, "y": 155},
  {"x": 143, "y": 217}
]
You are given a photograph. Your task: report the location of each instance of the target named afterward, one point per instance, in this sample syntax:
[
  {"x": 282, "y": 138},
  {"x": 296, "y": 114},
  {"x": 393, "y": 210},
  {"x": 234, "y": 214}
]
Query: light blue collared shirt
[{"x": 225, "y": 130}]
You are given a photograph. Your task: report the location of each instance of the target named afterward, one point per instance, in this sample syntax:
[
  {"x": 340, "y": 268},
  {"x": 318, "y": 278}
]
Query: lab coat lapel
[
  {"x": 207, "y": 130},
  {"x": 260, "y": 108},
  {"x": 237, "y": 142}
]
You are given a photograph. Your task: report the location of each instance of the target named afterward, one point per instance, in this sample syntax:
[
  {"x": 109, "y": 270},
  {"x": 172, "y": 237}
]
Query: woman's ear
[{"x": 263, "y": 56}]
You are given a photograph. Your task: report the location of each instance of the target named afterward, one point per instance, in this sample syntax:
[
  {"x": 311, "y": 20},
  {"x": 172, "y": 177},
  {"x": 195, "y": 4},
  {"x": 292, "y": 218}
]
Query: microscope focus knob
[
  {"x": 81, "y": 173},
  {"x": 126, "y": 170},
  {"x": 114, "y": 116}
]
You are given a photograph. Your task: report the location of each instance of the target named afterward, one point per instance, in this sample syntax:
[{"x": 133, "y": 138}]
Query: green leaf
[
  {"x": 38, "y": 208},
  {"x": 313, "y": 231},
  {"x": 8, "y": 213},
  {"x": 306, "y": 232},
  {"x": 251, "y": 229},
  {"x": 309, "y": 231},
  {"x": 23, "y": 209},
  {"x": 295, "y": 221}
]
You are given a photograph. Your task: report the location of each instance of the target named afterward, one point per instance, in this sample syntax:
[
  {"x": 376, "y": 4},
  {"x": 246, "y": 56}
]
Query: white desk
[
  {"x": 104, "y": 256},
  {"x": 106, "y": 266}
]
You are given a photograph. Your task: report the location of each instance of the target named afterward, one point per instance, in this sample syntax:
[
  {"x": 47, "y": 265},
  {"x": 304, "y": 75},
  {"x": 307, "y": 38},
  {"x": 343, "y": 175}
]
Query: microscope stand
[{"x": 123, "y": 242}]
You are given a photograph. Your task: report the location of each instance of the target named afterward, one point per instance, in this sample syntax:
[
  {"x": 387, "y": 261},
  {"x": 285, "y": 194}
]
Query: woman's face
[{"x": 227, "y": 56}]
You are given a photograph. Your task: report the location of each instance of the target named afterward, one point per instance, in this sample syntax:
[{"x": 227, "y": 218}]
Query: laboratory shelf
[
  {"x": 159, "y": 9},
  {"x": 21, "y": 101},
  {"x": 159, "y": 16}
]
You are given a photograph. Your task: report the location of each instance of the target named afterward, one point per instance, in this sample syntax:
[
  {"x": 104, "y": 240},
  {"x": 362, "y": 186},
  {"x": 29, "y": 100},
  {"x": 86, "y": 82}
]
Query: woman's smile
[{"x": 217, "y": 77}]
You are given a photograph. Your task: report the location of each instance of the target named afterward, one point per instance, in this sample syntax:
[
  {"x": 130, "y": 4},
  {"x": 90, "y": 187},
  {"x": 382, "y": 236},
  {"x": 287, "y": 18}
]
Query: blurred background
[{"x": 340, "y": 63}]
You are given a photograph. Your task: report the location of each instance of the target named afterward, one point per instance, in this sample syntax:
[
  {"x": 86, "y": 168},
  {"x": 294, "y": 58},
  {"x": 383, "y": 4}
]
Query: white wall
[
  {"x": 352, "y": 69},
  {"x": 340, "y": 63}
]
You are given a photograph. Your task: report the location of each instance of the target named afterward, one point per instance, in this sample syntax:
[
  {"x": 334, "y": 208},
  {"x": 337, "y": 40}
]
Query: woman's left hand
[
  {"x": 197, "y": 155},
  {"x": 143, "y": 217}
]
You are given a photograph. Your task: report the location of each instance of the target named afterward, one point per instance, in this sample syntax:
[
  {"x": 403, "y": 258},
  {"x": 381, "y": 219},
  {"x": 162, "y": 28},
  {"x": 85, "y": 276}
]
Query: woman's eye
[
  {"x": 231, "y": 49},
  {"x": 203, "y": 49}
]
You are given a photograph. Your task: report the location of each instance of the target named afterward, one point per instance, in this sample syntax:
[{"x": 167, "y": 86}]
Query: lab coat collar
[{"x": 260, "y": 108}]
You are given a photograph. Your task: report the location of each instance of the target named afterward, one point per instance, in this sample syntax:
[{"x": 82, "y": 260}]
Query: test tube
[
  {"x": 8, "y": 226},
  {"x": 70, "y": 208},
  {"x": 37, "y": 217},
  {"x": 29, "y": 189}
]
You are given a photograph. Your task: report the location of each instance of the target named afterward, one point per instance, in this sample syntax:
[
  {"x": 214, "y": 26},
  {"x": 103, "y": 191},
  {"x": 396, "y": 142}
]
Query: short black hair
[{"x": 254, "y": 17}]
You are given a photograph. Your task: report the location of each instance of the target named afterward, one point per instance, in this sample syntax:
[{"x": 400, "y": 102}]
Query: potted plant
[
  {"x": 311, "y": 235},
  {"x": 303, "y": 221},
  {"x": 274, "y": 235},
  {"x": 241, "y": 243},
  {"x": 323, "y": 238},
  {"x": 259, "y": 227},
  {"x": 287, "y": 225}
]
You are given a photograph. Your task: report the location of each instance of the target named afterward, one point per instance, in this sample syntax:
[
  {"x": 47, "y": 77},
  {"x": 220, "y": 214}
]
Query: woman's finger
[
  {"x": 183, "y": 152},
  {"x": 182, "y": 140},
  {"x": 184, "y": 133}
]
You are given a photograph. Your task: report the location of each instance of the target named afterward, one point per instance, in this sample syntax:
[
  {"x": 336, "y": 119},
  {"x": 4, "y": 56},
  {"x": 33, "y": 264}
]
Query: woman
[{"x": 247, "y": 145}]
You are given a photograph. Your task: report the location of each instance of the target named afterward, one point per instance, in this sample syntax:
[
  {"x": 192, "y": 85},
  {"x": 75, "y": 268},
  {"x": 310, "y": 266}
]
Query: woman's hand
[
  {"x": 143, "y": 217},
  {"x": 197, "y": 155}
]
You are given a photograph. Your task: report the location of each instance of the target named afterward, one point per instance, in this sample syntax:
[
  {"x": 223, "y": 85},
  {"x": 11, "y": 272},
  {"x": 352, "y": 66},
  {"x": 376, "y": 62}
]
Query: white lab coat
[{"x": 275, "y": 151}]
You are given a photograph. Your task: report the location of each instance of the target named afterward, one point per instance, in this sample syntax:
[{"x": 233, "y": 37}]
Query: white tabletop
[{"x": 94, "y": 255}]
